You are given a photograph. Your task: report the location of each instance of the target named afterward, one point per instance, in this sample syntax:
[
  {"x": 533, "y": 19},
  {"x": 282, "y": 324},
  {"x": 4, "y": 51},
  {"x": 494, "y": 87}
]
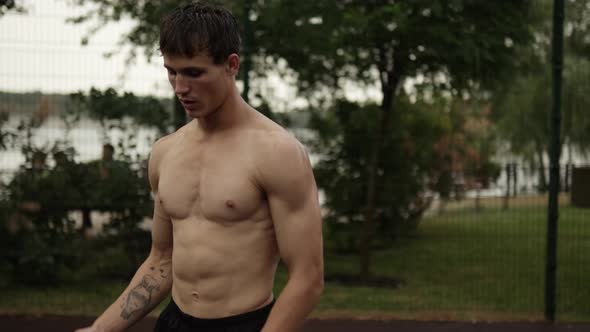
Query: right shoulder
[
  {"x": 162, "y": 145},
  {"x": 159, "y": 150}
]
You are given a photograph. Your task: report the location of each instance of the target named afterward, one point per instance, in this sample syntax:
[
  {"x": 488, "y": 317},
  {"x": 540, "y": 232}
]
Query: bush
[
  {"x": 39, "y": 256},
  {"x": 118, "y": 256},
  {"x": 344, "y": 142}
]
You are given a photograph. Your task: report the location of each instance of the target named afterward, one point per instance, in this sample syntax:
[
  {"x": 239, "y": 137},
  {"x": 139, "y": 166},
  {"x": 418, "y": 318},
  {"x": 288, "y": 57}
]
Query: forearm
[
  {"x": 150, "y": 285},
  {"x": 296, "y": 301}
]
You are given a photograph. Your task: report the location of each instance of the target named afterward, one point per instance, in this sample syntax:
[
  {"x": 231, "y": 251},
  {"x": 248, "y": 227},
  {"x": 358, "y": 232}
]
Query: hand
[{"x": 87, "y": 329}]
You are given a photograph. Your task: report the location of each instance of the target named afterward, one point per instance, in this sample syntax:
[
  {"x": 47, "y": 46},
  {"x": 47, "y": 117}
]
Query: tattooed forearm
[
  {"x": 164, "y": 269},
  {"x": 139, "y": 297}
]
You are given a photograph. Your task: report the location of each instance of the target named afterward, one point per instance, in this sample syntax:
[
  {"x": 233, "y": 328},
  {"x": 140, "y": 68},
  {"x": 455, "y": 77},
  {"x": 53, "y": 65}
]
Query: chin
[
  {"x": 202, "y": 112},
  {"x": 197, "y": 114}
]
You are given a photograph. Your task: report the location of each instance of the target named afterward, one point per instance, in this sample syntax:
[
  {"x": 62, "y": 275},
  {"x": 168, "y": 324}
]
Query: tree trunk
[
  {"x": 247, "y": 50},
  {"x": 542, "y": 175},
  {"x": 568, "y": 168},
  {"x": 478, "y": 198},
  {"x": 507, "y": 194},
  {"x": 389, "y": 87},
  {"x": 86, "y": 221},
  {"x": 515, "y": 180}
]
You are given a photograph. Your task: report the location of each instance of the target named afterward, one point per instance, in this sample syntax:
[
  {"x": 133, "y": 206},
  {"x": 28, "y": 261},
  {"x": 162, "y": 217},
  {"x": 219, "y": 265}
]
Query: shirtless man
[{"x": 234, "y": 193}]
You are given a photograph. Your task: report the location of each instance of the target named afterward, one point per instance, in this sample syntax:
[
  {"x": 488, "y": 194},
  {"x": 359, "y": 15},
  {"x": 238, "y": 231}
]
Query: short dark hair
[{"x": 200, "y": 27}]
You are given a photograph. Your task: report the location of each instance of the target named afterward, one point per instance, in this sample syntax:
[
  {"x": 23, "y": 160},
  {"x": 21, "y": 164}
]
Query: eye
[
  {"x": 194, "y": 73},
  {"x": 171, "y": 73}
]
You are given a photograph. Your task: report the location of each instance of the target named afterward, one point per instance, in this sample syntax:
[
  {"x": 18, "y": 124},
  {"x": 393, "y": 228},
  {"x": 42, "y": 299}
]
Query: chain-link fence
[{"x": 466, "y": 237}]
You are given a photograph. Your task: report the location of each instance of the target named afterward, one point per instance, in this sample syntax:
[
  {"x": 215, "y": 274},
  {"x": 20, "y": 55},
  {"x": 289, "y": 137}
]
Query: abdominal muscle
[{"x": 222, "y": 269}]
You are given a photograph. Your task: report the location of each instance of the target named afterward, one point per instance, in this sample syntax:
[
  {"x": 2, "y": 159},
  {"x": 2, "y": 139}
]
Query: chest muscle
[{"x": 217, "y": 188}]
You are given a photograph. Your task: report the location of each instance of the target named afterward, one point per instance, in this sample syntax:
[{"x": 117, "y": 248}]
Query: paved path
[{"x": 69, "y": 324}]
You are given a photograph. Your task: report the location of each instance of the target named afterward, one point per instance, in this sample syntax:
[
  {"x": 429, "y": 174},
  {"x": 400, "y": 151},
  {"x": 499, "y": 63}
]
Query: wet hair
[{"x": 200, "y": 27}]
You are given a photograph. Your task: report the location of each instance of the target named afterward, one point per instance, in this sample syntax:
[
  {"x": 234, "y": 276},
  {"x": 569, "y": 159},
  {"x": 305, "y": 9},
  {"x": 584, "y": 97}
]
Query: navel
[
  {"x": 230, "y": 204},
  {"x": 195, "y": 296}
]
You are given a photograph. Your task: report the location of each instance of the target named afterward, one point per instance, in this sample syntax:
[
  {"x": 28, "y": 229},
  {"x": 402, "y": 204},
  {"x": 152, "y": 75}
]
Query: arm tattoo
[
  {"x": 165, "y": 269},
  {"x": 139, "y": 297}
]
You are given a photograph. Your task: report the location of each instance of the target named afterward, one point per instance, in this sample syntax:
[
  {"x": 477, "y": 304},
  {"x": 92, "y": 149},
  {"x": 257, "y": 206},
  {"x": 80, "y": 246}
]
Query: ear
[{"x": 232, "y": 64}]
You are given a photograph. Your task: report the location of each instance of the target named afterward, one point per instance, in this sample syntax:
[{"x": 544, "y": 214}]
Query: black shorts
[{"x": 172, "y": 319}]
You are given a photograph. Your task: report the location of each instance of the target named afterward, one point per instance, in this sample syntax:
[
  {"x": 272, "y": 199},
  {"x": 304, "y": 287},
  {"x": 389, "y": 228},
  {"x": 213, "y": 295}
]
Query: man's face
[{"x": 200, "y": 85}]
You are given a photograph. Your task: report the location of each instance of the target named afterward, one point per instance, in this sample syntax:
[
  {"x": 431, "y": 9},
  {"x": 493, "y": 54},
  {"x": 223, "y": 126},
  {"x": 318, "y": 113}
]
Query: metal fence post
[
  {"x": 552, "y": 215},
  {"x": 247, "y": 49}
]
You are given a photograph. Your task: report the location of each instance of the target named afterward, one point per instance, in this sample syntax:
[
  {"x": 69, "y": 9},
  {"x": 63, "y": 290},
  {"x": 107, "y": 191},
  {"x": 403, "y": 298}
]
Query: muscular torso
[{"x": 225, "y": 252}]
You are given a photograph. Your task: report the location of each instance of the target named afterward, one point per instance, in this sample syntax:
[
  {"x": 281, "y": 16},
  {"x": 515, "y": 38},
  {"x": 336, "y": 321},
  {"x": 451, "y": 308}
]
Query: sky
[{"x": 39, "y": 51}]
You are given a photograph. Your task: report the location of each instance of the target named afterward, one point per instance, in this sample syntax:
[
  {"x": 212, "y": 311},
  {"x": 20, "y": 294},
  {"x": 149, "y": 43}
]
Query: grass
[
  {"x": 460, "y": 265},
  {"x": 475, "y": 266}
]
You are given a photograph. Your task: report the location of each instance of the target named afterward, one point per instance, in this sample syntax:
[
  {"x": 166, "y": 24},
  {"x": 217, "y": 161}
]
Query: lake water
[{"x": 86, "y": 137}]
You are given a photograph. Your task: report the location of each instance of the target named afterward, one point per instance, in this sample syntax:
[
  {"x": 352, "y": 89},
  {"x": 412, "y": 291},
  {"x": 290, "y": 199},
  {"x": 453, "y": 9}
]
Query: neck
[{"x": 229, "y": 115}]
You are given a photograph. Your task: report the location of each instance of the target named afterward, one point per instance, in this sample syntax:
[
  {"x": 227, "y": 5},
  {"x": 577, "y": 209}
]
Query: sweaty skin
[
  {"x": 233, "y": 193},
  {"x": 225, "y": 251}
]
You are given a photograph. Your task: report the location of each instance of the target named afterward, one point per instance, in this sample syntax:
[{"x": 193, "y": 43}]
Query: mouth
[{"x": 188, "y": 103}]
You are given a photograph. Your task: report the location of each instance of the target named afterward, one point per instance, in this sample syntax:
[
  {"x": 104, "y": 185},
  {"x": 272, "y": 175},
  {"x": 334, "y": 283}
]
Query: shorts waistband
[{"x": 260, "y": 314}]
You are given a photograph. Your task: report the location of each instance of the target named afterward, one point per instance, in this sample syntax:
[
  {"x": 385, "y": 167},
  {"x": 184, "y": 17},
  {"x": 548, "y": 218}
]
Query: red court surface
[{"x": 16, "y": 323}]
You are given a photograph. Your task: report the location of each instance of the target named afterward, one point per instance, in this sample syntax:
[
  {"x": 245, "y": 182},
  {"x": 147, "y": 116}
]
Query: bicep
[
  {"x": 298, "y": 230},
  {"x": 295, "y": 210},
  {"x": 161, "y": 229},
  {"x": 161, "y": 222}
]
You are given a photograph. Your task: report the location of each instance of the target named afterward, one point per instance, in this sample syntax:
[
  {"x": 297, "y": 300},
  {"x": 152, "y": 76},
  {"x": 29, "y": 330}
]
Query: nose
[{"x": 180, "y": 85}]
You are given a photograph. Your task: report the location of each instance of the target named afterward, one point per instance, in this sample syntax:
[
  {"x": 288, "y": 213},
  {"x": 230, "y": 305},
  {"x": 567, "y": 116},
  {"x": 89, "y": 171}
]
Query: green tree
[
  {"x": 120, "y": 185},
  {"x": 112, "y": 109},
  {"x": 576, "y": 102},
  {"x": 328, "y": 43},
  {"x": 577, "y": 28},
  {"x": 7, "y": 134},
  {"x": 522, "y": 109},
  {"x": 469, "y": 42},
  {"x": 343, "y": 134},
  {"x": 465, "y": 151},
  {"x": 10, "y": 5},
  {"x": 524, "y": 123}
]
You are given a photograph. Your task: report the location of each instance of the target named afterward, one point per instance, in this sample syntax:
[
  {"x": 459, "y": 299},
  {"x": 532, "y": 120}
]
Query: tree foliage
[
  {"x": 470, "y": 43},
  {"x": 456, "y": 45},
  {"x": 354, "y": 39},
  {"x": 576, "y": 102},
  {"x": 455, "y": 136},
  {"x": 577, "y": 28},
  {"x": 343, "y": 136},
  {"x": 108, "y": 105},
  {"x": 40, "y": 238},
  {"x": 10, "y": 5},
  {"x": 522, "y": 109}
]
